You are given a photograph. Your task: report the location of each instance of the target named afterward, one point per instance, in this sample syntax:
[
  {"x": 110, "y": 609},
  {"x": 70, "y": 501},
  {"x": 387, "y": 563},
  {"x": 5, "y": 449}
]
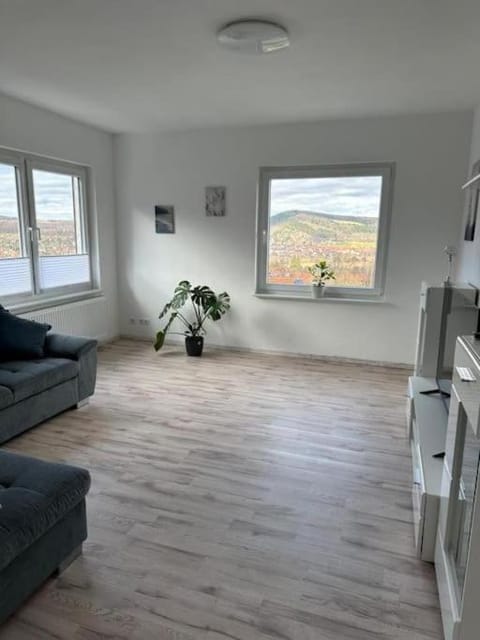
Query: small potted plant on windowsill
[
  {"x": 321, "y": 273},
  {"x": 206, "y": 304}
]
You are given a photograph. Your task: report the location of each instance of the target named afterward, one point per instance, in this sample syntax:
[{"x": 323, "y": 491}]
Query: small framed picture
[
  {"x": 164, "y": 219},
  {"x": 472, "y": 204},
  {"x": 215, "y": 201}
]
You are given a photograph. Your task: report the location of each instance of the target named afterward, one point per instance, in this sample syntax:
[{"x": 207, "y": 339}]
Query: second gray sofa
[
  {"x": 42, "y": 525},
  {"x": 32, "y": 391}
]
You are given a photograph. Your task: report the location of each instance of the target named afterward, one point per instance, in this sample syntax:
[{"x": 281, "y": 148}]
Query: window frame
[
  {"x": 25, "y": 164},
  {"x": 384, "y": 169}
]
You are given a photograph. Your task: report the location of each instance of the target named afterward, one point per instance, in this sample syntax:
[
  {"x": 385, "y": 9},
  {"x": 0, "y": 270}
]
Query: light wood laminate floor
[{"x": 237, "y": 497}]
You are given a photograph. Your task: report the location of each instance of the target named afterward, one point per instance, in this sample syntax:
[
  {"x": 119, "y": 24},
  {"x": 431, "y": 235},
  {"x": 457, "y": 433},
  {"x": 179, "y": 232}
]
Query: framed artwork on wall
[
  {"x": 215, "y": 201},
  {"x": 164, "y": 219},
  {"x": 472, "y": 205}
]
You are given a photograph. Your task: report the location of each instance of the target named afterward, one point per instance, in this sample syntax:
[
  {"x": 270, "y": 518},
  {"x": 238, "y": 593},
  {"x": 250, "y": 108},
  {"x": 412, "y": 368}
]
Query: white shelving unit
[
  {"x": 446, "y": 311},
  {"x": 457, "y": 556},
  {"x": 427, "y": 428}
]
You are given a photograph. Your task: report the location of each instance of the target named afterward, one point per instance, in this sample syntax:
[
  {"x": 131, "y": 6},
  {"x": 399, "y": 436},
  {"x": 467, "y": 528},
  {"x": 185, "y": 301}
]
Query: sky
[
  {"x": 353, "y": 196},
  {"x": 53, "y": 194}
]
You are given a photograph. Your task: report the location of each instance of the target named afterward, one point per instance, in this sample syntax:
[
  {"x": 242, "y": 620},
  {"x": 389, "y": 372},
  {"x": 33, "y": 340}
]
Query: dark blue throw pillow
[{"x": 21, "y": 339}]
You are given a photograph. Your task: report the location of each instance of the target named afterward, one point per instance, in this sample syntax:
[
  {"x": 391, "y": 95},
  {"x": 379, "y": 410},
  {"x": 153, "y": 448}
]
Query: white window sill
[
  {"x": 325, "y": 300},
  {"x": 39, "y": 304}
]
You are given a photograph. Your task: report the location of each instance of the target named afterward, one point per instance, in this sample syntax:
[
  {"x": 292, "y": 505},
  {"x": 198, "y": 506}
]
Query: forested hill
[{"x": 326, "y": 225}]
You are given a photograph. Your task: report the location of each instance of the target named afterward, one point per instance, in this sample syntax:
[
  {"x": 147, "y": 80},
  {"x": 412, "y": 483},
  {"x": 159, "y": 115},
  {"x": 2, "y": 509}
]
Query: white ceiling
[{"x": 149, "y": 65}]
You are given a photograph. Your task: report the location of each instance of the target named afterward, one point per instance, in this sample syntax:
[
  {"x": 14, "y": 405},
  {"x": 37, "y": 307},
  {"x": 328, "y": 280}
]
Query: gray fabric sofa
[
  {"x": 42, "y": 524},
  {"x": 32, "y": 391}
]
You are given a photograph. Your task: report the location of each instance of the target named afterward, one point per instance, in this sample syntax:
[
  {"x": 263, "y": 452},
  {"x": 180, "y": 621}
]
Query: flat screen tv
[{"x": 456, "y": 315}]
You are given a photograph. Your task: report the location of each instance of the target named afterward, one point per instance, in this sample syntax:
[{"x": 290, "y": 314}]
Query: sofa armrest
[
  {"x": 84, "y": 351},
  {"x": 71, "y": 347}
]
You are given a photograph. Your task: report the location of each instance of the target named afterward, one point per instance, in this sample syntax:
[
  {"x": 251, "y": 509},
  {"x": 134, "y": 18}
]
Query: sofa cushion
[
  {"x": 34, "y": 496},
  {"x": 26, "y": 378},
  {"x": 20, "y": 338},
  {"x": 6, "y": 397}
]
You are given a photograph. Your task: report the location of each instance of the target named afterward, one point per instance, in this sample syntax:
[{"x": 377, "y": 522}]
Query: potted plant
[
  {"x": 206, "y": 304},
  {"x": 321, "y": 273}
]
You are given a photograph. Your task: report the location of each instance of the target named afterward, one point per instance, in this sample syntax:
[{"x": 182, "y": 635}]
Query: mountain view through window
[
  {"x": 332, "y": 218},
  {"x": 10, "y": 242},
  {"x": 56, "y": 213},
  {"x": 43, "y": 228}
]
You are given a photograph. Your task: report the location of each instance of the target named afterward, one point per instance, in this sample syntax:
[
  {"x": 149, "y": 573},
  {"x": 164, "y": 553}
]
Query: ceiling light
[{"x": 253, "y": 36}]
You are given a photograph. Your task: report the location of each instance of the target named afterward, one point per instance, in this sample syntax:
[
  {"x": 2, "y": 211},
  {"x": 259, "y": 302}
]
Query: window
[
  {"x": 44, "y": 222},
  {"x": 335, "y": 213}
]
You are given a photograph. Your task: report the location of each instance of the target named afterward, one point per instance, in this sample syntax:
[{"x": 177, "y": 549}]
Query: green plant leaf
[
  {"x": 181, "y": 294},
  {"x": 219, "y": 305},
  {"x": 161, "y": 335},
  {"x": 159, "y": 340},
  {"x": 201, "y": 296}
]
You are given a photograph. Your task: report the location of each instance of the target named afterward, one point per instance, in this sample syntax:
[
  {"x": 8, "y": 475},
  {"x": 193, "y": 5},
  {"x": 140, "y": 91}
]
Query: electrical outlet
[
  {"x": 132, "y": 320},
  {"x": 144, "y": 322}
]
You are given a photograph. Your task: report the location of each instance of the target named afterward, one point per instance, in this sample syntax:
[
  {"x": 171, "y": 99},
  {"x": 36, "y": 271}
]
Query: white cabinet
[
  {"x": 457, "y": 552},
  {"x": 427, "y": 420},
  {"x": 446, "y": 311}
]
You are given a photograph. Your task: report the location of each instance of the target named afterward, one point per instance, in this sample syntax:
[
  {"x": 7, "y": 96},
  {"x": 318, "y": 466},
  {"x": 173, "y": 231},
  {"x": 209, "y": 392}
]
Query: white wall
[
  {"x": 29, "y": 128},
  {"x": 469, "y": 252},
  {"x": 431, "y": 153}
]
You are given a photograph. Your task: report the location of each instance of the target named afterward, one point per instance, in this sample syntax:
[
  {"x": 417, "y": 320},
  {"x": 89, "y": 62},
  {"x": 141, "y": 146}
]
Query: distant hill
[
  {"x": 58, "y": 216},
  {"x": 316, "y": 226},
  {"x": 293, "y": 214}
]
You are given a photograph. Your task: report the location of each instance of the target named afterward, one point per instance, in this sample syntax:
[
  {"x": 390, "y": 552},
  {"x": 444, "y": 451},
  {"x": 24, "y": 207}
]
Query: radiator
[{"x": 95, "y": 318}]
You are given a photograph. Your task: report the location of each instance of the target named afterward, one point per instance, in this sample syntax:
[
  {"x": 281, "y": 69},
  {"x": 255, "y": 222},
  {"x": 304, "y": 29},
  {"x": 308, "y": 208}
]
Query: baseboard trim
[
  {"x": 404, "y": 366},
  {"x": 103, "y": 341}
]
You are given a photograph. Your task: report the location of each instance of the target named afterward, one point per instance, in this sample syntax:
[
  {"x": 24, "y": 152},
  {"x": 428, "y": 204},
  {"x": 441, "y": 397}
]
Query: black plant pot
[{"x": 194, "y": 345}]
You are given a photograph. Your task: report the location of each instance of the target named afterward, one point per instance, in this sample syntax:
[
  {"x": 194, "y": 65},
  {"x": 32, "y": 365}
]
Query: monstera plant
[{"x": 205, "y": 305}]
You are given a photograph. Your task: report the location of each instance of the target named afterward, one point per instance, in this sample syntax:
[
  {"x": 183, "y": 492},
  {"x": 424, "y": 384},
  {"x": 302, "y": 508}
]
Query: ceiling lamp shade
[{"x": 253, "y": 36}]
